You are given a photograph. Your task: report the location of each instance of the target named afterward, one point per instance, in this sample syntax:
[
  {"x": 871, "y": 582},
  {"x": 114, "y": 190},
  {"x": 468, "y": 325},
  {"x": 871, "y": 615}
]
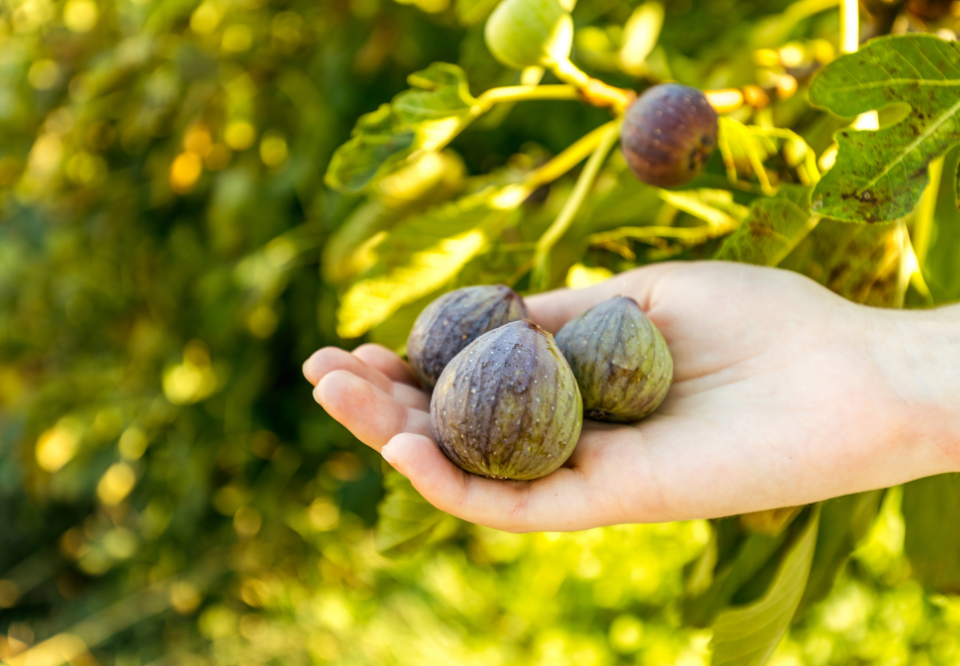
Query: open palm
[{"x": 778, "y": 400}]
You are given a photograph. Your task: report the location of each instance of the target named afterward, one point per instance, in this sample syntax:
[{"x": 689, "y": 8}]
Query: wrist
[{"x": 918, "y": 353}]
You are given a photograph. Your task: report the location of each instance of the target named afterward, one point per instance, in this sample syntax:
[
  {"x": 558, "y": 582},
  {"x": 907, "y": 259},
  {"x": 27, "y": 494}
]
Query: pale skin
[{"x": 783, "y": 394}]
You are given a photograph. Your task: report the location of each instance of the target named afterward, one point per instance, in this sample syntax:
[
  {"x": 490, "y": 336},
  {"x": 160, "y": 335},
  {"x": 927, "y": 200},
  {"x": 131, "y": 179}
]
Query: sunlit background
[{"x": 169, "y": 256}]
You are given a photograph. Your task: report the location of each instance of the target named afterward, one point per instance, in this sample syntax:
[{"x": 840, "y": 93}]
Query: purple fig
[{"x": 507, "y": 406}]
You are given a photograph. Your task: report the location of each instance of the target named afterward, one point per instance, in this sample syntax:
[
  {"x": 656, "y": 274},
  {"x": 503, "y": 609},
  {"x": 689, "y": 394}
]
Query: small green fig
[
  {"x": 507, "y": 406},
  {"x": 529, "y": 33},
  {"x": 622, "y": 364},
  {"x": 669, "y": 133},
  {"x": 453, "y": 321}
]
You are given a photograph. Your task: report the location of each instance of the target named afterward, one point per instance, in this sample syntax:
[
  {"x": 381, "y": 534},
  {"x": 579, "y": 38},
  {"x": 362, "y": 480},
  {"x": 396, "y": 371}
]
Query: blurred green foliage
[{"x": 169, "y": 256}]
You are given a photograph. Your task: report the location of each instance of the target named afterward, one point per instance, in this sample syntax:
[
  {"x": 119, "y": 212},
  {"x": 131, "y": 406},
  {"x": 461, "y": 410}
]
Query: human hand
[{"x": 783, "y": 394}]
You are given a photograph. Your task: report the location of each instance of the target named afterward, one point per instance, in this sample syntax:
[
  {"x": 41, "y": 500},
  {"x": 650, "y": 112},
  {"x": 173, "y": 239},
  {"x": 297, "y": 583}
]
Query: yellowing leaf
[
  {"x": 371, "y": 301},
  {"x": 422, "y": 254},
  {"x": 745, "y": 149}
]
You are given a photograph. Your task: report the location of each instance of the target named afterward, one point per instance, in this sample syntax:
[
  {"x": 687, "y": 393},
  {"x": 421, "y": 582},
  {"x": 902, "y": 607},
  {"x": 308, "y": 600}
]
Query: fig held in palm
[
  {"x": 669, "y": 133},
  {"x": 508, "y": 406},
  {"x": 622, "y": 364},
  {"x": 453, "y": 321}
]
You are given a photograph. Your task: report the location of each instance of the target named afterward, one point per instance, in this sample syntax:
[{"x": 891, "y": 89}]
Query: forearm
[{"x": 919, "y": 354}]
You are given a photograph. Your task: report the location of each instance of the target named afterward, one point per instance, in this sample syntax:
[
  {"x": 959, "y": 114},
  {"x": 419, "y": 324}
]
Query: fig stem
[
  {"x": 594, "y": 91},
  {"x": 506, "y": 94},
  {"x": 540, "y": 278},
  {"x": 693, "y": 235}
]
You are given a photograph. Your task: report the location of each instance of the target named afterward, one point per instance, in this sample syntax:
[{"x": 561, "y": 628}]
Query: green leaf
[
  {"x": 934, "y": 552},
  {"x": 734, "y": 571},
  {"x": 772, "y": 230},
  {"x": 351, "y": 249},
  {"x": 861, "y": 263},
  {"x": 420, "y": 120},
  {"x": 880, "y": 175},
  {"x": 746, "y": 636},
  {"x": 423, "y": 253},
  {"x": 940, "y": 264},
  {"x": 407, "y": 521},
  {"x": 843, "y": 523}
]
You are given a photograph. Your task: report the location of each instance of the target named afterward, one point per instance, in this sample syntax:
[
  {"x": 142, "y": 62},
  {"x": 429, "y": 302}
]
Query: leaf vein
[{"x": 944, "y": 117}]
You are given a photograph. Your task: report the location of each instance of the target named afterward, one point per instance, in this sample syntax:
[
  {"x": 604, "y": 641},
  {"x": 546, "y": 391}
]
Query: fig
[
  {"x": 455, "y": 320},
  {"x": 529, "y": 33},
  {"x": 669, "y": 133},
  {"x": 507, "y": 406},
  {"x": 622, "y": 364}
]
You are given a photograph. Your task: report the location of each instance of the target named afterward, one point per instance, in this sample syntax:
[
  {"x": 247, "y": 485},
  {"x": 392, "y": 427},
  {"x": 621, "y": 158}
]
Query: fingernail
[{"x": 386, "y": 455}]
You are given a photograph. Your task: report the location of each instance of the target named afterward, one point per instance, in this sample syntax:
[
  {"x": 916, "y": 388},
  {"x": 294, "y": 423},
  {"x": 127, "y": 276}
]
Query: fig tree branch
[{"x": 559, "y": 227}]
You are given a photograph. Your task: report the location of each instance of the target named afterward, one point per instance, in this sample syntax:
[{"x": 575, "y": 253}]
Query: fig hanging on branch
[
  {"x": 508, "y": 406},
  {"x": 530, "y": 33},
  {"x": 669, "y": 133},
  {"x": 453, "y": 321},
  {"x": 621, "y": 361}
]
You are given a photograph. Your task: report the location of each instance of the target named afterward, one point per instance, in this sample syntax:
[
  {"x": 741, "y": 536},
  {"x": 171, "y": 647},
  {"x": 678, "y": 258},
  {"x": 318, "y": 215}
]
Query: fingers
[
  {"x": 371, "y": 414},
  {"x": 329, "y": 359},
  {"x": 555, "y": 308},
  {"x": 384, "y": 360},
  {"x": 561, "y": 501}
]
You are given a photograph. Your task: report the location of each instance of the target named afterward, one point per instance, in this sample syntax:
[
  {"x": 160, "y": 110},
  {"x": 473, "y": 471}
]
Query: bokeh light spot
[
  {"x": 57, "y": 446},
  {"x": 240, "y": 135},
  {"x": 116, "y": 484},
  {"x": 273, "y": 149},
  {"x": 185, "y": 171},
  {"x": 80, "y": 15}
]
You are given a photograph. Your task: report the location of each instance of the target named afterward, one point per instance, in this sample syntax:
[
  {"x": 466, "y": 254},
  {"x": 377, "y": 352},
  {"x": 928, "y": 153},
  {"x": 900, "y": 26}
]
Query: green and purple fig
[
  {"x": 453, "y": 321},
  {"x": 507, "y": 406},
  {"x": 621, "y": 361},
  {"x": 669, "y": 133}
]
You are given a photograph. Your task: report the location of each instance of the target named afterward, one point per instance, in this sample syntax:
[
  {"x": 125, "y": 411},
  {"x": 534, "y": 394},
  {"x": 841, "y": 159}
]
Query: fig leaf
[
  {"x": 880, "y": 175},
  {"x": 934, "y": 553},
  {"x": 423, "y": 253},
  {"x": 747, "y": 635},
  {"x": 771, "y": 231},
  {"x": 843, "y": 523},
  {"x": 422, "y": 119},
  {"x": 939, "y": 267},
  {"x": 862, "y": 263},
  {"x": 407, "y": 521}
]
